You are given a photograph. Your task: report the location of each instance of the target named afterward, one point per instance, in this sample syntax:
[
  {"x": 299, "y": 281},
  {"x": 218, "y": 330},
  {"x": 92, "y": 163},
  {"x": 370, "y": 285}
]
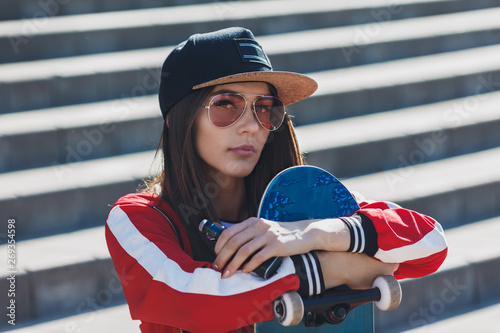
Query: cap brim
[{"x": 291, "y": 87}]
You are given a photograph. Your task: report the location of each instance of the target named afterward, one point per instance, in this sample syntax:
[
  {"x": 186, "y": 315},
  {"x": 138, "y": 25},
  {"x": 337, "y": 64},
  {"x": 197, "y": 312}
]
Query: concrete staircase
[{"x": 407, "y": 110}]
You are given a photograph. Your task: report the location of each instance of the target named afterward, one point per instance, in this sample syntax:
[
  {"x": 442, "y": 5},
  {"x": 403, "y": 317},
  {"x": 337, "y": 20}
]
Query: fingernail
[
  {"x": 226, "y": 274},
  {"x": 214, "y": 266}
]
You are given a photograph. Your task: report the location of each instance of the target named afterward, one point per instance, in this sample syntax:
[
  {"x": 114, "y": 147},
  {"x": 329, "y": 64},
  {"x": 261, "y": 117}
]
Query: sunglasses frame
[{"x": 244, "y": 109}]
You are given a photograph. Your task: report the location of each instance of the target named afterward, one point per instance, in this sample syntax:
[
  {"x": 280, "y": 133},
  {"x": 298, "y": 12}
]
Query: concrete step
[
  {"x": 373, "y": 42},
  {"x": 402, "y": 83},
  {"x": 454, "y": 191},
  {"x": 26, "y": 9},
  {"x": 42, "y": 37},
  {"x": 402, "y": 138},
  {"x": 468, "y": 280},
  {"x": 478, "y": 319},
  {"x": 69, "y": 134},
  {"x": 108, "y": 319},
  {"x": 71, "y": 196},
  {"x": 61, "y": 275},
  {"x": 79, "y": 282},
  {"x": 56, "y": 82}
]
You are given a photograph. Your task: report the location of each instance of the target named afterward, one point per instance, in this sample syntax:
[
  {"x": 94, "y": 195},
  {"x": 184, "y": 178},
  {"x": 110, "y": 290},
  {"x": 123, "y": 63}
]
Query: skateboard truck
[{"x": 333, "y": 306}]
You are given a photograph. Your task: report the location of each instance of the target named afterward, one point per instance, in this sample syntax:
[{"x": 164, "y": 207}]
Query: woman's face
[{"x": 234, "y": 150}]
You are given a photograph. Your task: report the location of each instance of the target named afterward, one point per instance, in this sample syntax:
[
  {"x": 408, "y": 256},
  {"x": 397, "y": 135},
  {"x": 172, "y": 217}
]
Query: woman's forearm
[
  {"x": 328, "y": 235},
  {"x": 357, "y": 270}
]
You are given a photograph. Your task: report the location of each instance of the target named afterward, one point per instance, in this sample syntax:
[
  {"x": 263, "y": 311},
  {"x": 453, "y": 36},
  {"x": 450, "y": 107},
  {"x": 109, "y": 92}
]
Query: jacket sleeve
[
  {"x": 164, "y": 285},
  {"x": 393, "y": 234}
]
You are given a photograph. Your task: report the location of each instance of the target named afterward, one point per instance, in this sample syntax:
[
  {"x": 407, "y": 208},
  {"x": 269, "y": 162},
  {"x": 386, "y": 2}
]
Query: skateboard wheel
[
  {"x": 390, "y": 292},
  {"x": 289, "y": 309}
]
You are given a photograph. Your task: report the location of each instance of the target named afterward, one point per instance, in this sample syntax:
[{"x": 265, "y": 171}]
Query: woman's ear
[{"x": 167, "y": 120}]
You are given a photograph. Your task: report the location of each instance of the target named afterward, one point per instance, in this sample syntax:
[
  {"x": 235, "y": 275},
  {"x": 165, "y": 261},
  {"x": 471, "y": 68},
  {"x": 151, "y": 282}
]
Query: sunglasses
[{"x": 226, "y": 109}]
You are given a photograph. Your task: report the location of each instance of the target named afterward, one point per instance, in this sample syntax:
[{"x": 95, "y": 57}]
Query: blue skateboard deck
[{"x": 304, "y": 193}]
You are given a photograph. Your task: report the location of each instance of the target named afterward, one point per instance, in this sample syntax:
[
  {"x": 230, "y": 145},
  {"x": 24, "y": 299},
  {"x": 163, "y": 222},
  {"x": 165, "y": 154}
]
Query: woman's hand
[
  {"x": 251, "y": 242},
  {"x": 357, "y": 270}
]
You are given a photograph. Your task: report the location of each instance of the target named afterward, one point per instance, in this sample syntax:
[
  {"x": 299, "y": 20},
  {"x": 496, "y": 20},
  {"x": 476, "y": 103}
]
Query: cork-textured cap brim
[{"x": 291, "y": 87}]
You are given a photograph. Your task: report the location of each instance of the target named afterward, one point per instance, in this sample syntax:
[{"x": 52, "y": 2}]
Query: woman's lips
[{"x": 243, "y": 150}]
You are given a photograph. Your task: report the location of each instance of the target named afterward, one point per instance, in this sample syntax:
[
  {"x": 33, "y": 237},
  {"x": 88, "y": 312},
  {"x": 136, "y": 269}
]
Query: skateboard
[{"x": 308, "y": 192}]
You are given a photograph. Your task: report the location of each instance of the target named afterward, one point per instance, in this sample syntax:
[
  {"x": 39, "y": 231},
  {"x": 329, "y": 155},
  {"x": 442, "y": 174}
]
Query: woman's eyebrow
[
  {"x": 228, "y": 91},
  {"x": 224, "y": 91}
]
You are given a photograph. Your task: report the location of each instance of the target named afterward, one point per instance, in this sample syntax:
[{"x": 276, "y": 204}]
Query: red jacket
[{"x": 166, "y": 288}]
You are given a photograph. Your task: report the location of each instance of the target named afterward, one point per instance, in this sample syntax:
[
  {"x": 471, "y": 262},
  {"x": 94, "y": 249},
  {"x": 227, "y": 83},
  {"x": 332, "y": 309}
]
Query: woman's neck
[{"x": 230, "y": 201}]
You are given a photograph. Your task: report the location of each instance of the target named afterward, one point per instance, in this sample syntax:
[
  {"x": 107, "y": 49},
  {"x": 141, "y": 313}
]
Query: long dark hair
[{"x": 181, "y": 181}]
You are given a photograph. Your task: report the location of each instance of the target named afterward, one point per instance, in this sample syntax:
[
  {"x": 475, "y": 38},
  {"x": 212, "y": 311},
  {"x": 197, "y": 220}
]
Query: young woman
[{"x": 226, "y": 135}]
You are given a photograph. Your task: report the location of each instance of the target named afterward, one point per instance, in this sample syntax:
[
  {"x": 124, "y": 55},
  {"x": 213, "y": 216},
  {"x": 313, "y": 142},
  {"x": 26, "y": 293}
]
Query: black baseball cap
[{"x": 225, "y": 56}]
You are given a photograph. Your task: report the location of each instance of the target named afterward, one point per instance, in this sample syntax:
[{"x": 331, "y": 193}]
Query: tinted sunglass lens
[
  {"x": 270, "y": 111},
  {"x": 226, "y": 109}
]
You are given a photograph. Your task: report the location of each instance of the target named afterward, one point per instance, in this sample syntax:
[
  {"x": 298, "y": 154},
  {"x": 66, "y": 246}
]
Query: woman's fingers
[
  {"x": 246, "y": 245},
  {"x": 260, "y": 250},
  {"x": 244, "y": 258},
  {"x": 235, "y": 246},
  {"x": 229, "y": 233}
]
